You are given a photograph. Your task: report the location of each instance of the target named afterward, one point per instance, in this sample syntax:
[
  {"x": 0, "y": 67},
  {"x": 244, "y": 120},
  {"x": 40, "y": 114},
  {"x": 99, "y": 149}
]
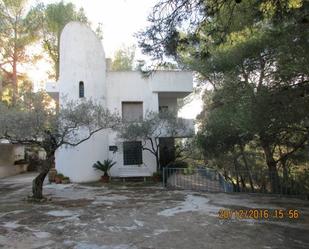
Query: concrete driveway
[{"x": 142, "y": 217}]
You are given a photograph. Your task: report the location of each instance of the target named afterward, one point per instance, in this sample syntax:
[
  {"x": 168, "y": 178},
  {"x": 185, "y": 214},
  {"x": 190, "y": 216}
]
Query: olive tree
[
  {"x": 154, "y": 126},
  {"x": 33, "y": 122}
]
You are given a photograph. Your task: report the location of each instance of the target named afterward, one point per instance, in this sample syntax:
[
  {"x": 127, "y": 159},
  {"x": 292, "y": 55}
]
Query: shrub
[
  {"x": 177, "y": 165},
  {"x": 105, "y": 166},
  {"x": 156, "y": 174},
  {"x": 188, "y": 171}
]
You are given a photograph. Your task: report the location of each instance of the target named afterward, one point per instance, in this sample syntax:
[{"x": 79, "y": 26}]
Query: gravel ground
[{"x": 138, "y": 216}]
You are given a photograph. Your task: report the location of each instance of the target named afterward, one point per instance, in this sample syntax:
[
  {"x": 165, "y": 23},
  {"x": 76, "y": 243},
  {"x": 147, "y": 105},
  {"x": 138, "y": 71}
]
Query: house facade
[{"x": 84, "y": 73}]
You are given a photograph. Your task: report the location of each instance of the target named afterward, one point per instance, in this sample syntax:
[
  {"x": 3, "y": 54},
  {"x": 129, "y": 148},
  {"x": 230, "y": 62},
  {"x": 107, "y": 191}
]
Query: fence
[
  {"x": 210, "y": 180},
  {"x": 195, "y": 179},
  {"x": 263, "y": 182}
]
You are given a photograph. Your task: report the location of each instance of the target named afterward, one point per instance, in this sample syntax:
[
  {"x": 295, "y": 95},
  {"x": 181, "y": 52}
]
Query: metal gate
[
  {"x": 199, "y": 179},
  {"x": 210, "y": 180}
]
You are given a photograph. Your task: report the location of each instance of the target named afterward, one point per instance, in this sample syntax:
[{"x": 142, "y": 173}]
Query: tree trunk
[
  {"x": 272, "y": 168},
  {"x": 237, "y": 175},
  {"x": 243, "y": 182},
  {"x": 263, "y": 186},
  {"x": 158, "y": 162},
  {"x": 285, "y": 174},
  {"x": 247, "y": 167},
  {"x": 1, "y": 88},
  {"x": 57, "y": 62},
  {"x": 14, "y": 81},
  {"x": 14, "y": 68},
  {"x": 37, "y": 183},
  {"x": 274, "y": 177},
  {"x": 237, "y": 183}
]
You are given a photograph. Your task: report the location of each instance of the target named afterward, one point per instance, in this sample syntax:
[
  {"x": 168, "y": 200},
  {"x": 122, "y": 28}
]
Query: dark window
[
  {"x": 132, "y": 111},
  {"x": 132, "y": 153},
  {"x": 163, "y": 108},
  {"x": 81, "y": 89}
]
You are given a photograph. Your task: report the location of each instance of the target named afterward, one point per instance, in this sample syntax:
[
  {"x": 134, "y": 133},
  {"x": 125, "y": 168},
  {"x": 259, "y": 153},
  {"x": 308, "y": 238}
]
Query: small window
[
  {"x": 132, "y": 153},
  {"x": 81, "y": 89},
  {"x": 132, "y": 111}
]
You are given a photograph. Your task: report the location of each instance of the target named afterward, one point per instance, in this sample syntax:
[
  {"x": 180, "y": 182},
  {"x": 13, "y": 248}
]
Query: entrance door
[{"x": 167, "y": 150}]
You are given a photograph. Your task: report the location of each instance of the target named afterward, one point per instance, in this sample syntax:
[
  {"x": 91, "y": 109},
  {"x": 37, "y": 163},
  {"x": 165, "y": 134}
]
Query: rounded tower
[
  {"x": 82, "y": 61},
  {"x": 82, "y": 75}
]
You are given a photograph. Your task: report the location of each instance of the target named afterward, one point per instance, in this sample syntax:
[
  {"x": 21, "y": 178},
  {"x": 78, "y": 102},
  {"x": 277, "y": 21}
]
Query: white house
[{"x": 84, "y": 74}]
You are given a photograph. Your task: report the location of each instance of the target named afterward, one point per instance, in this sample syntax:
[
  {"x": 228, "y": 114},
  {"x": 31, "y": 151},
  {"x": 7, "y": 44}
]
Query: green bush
[
  {"x": 60, "y": 175},
  {"x": 301, "y": 183},
  {"x": 157, "y": 174},
  {"x": 188, "y": 171},
  {"x": 177, "y": 165}
]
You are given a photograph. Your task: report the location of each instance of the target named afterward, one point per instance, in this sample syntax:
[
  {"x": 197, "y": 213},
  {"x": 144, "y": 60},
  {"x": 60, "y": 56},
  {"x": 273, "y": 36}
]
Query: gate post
[{"x": 163, "y": 177}]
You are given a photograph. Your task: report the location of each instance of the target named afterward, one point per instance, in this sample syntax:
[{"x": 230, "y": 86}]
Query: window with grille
[
  {"x": 132, "y": 153},
  {"x": 132, "y": 111},
  {"x": 81, "y": 89}
]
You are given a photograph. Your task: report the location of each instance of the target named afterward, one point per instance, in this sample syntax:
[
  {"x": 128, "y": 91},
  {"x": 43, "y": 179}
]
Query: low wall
[
  {"x": 7, "y": 156},
  {"x": 11, "y": 170},
  {"x": 10, "y": 153}
]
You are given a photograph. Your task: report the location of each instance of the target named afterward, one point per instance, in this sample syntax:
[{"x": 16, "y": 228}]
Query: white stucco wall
[
  {"x": 76, "y": 162},
  {"x": 130, "y": 86},
  {"x": 172, "y": 81},
  {"x": 82, "y": 58},
  {"x": 119, "y": 169}
]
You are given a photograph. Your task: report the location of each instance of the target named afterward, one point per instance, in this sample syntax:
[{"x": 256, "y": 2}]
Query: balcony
[{"x": 177, "y": 84}]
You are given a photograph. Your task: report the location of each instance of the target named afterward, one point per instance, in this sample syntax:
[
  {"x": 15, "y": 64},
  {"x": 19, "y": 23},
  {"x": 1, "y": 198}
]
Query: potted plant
[
  {"x": 58, "y": 178},
  {"x": 52, "y": 175},
  {"x": 156, "y": 176},
  {"x": 104, "y": 167},
  {"x": 65, "y": 180}
]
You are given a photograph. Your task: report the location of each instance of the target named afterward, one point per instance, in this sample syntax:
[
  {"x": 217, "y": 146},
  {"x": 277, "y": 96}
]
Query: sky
[{"x": 120, "y": 19}]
